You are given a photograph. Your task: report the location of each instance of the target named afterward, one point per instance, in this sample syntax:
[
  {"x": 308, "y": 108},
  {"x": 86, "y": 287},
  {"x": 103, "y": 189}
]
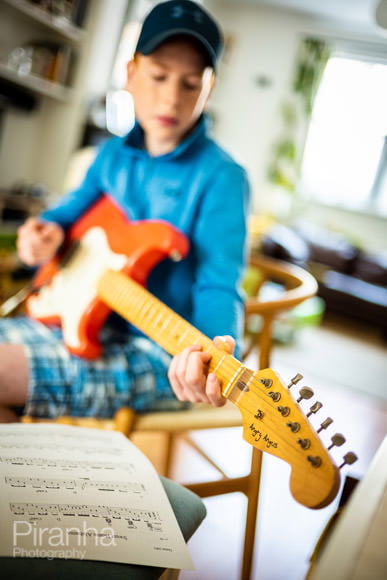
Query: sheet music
[{"x": 70, "y": 492}]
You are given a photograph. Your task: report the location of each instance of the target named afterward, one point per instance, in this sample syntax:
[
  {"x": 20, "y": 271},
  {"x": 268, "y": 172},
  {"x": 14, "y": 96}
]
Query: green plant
[{"x": 288, "y": 150}]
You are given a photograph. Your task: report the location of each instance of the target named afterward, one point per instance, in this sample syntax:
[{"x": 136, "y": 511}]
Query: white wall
[
  {"x": 247, "y": 120},
  {"x": 263, "y": 44}
]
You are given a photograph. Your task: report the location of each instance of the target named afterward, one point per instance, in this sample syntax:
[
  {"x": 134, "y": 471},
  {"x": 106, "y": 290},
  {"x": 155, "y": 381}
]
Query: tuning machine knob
[
  {"x": 325, "y": 424},
  {"x": 305, "y": 393},
  {"x": 337, "y": 440},
  {"x": 349, "y": 458},
  {"x": 314, "y": 408},
  {"x": 295, "y": 380}
]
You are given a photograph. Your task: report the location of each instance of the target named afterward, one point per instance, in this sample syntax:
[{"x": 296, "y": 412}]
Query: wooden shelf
[
  {"x": 57, "y": 23},
  {"x": 36, "y": 84}
]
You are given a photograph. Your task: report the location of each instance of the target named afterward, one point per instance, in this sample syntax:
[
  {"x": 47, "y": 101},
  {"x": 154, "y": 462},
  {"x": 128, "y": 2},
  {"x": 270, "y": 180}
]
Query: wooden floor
[{"x": 346, "y": 366}]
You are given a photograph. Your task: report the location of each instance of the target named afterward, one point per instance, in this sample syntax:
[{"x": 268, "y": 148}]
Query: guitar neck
[
  {"x": 163, "y": 325},
  {"x": 266, "y": 423}
]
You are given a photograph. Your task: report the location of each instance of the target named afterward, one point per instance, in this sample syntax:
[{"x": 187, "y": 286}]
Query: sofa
[{"x": 352, "y": 281}]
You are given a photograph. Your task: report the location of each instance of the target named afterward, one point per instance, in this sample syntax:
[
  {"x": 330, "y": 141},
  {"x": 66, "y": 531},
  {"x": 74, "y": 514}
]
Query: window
[{"x": 345, "y": 159}]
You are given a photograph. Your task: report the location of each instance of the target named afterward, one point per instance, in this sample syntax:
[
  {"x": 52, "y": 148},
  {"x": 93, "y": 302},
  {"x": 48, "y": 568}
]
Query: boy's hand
[
  {"x": 38, "y": 241},
  {"x": 188, "y": 377}
]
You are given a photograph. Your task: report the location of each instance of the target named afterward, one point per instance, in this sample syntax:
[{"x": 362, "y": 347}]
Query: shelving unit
[
  {"x": 42, "y": 122},
  {"x": 26, "y": 18},
  {"x": 42, "y": 97},
  {"x": 36, "y": 84},
  {"x": 58, "y": 23}
]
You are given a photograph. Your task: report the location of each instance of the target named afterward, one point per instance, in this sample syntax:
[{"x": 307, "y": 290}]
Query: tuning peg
[
  {"x": 283, "y": 410},
  {"x": 315, "y": 460},
  {"x": 349, "y": 458},
  {"x": 338, "y": 439},
  {"x": 305, "y": 393},
  {"x": 294, "y": 426},
  {"x": 295, "y": 380},
  {"x": 266, "y": 382},
  {"x": 314, "y": 408},
  {"x": 304, "y": 443},
  {"x": 325, "y": 424},
  {"x": 274, "y": 395}
]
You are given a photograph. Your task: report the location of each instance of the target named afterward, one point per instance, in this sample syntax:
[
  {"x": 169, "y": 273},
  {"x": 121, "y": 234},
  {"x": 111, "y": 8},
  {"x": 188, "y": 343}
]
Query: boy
[{"x": 165, "y": 168}]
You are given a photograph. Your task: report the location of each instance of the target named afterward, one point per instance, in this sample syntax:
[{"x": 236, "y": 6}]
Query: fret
[
  {"x": 183, "y": 336},
  {"x": 159, "y": 319},
  {"x": 218, "y": 364}
]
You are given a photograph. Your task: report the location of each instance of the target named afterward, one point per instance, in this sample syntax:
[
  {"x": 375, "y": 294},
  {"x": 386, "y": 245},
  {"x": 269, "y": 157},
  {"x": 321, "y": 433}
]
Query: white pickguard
[{"x": 74, "y": 287}]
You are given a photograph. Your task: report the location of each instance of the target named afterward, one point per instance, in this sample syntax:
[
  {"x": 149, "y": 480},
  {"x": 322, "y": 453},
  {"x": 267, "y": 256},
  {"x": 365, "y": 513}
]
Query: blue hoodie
[{"x": 199, "y": 189}]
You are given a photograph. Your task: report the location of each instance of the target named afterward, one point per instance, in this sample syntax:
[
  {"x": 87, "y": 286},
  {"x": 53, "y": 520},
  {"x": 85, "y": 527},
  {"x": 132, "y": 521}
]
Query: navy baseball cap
[{"x": 175, "y": 17}]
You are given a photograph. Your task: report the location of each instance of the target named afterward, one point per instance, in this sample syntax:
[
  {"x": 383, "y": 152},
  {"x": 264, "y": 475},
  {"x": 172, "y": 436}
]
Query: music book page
[{"x": 70, "y": 492}]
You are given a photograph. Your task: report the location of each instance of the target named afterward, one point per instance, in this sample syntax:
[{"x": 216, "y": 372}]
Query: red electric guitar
[
  {"x": 108, "y": 271},
  {"x": 102, "y": 239}
]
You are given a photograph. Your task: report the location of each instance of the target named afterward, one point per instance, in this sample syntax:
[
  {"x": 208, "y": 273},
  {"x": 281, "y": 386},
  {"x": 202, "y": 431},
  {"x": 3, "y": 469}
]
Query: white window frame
[{"x": 378, "y": 191}]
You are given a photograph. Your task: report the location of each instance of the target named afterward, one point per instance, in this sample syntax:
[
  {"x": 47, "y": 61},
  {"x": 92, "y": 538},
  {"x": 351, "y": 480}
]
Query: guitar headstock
[{"x": 274, "y": 422}]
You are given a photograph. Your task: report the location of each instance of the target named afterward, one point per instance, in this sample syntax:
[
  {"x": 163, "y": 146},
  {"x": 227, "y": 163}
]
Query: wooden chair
[{"x": 298, "y": 285}]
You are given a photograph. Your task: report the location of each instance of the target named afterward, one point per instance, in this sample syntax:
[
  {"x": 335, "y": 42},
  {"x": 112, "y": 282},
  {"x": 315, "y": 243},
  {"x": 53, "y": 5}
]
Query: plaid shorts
[{"x": 132, "y": 371}]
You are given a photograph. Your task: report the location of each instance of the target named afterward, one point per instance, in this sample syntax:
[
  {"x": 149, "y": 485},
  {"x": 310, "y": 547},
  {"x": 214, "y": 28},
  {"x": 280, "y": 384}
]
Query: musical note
[
  {"x": 136, "y": 518},
  {"x": 66, "y": 464},
  {"x": 56, "y": 447},
  {"x": 74, "y": 484}
]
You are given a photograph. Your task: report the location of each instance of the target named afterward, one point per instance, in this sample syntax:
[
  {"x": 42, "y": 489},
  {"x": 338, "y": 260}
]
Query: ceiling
[{"x": 358, "y": 15}]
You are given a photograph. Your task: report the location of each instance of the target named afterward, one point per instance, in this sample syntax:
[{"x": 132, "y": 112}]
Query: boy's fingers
[
  {"x": 213, "y": 391},
  {"x": 188, "y": 376},
  {"x": 226, "y": 343},
  {"x": 186, "y": 373}
]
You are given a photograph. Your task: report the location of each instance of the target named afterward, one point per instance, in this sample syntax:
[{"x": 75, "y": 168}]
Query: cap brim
[{"x": 148, "y": 47}]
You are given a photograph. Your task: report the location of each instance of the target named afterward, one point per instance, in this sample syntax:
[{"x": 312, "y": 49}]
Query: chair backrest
[{"x": 296, "y": 285}]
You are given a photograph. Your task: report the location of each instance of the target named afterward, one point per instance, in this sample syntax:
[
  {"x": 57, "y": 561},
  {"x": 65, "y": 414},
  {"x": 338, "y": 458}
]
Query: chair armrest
[{"x": 298, "y": 283}]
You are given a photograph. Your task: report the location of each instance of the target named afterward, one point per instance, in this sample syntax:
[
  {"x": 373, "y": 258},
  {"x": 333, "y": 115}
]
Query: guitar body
[{"x": 103, "y": 238}]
